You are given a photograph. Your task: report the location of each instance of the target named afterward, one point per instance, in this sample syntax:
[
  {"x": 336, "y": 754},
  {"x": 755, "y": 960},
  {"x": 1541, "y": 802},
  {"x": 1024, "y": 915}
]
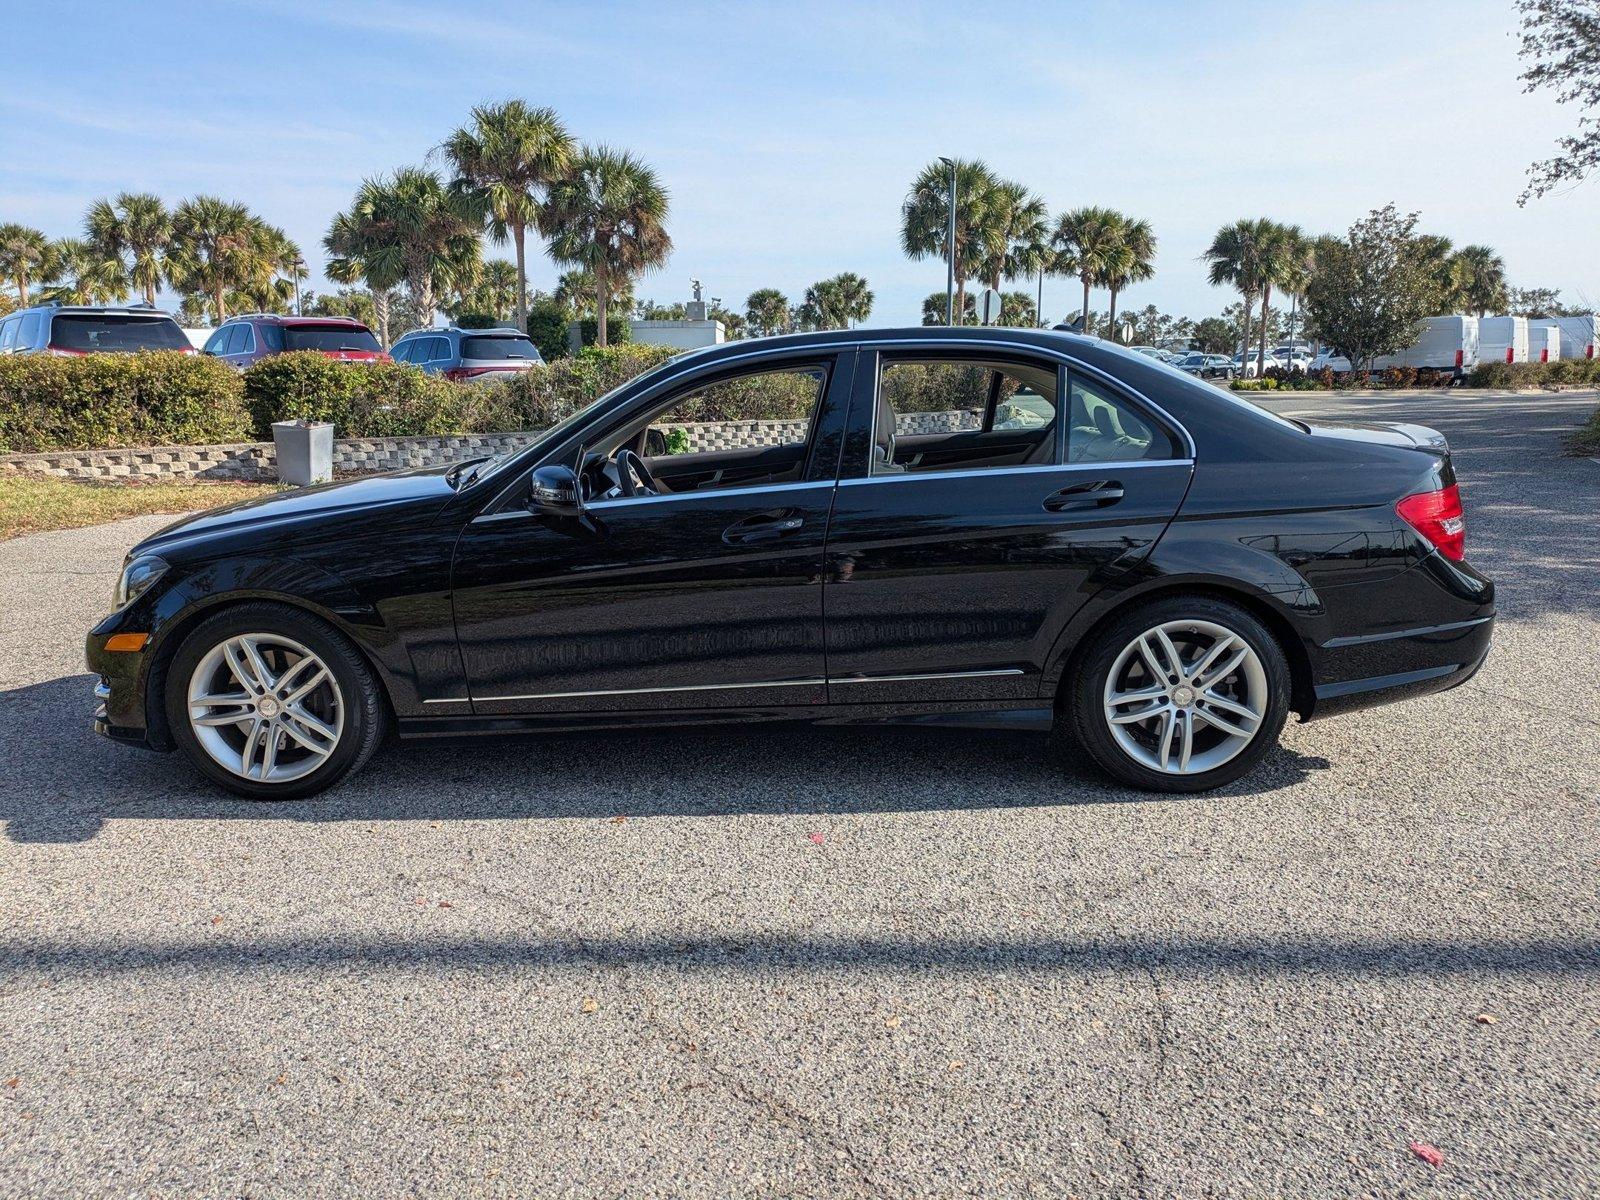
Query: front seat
[{"x": 883, "y": 441}]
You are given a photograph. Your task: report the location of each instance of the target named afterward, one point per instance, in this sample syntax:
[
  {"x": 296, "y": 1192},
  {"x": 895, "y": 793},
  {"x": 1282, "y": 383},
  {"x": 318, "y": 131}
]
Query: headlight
[{"x": 136, "y": 579}]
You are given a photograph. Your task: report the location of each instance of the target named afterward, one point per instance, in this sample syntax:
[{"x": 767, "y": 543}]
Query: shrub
[
  {"x": 1400, "y": 377},
  {"x": 1325, "y": 377},
  {"x": 1490, "y": 375},
  {"x": 362, "y": 399},
  {"x": 99, "y": 401},
  {"x": 477, "y": 320},
  {"x": 539, "y": 398},
  {"x": 547, "y": 329},
  {"x": 1587, "y": 439},
  {"x": 617, "y": 330}
]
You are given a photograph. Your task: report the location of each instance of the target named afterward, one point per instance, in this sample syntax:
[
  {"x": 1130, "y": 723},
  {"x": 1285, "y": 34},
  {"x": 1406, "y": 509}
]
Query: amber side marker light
[{"x": 127, "y": 642}]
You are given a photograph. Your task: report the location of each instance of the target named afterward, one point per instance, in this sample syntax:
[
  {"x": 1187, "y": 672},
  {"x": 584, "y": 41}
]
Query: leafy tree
[
  {"x": 135, "y": 229},
  {"x": 1541, "y": 302},
  {"x": 1370, "y": 291},
  {"x": 1561, "y": 41},
  {"x": 355, "y": 303},
  {"x": 1088, "y": 237},
  {"x": 1085, "y": 321},
  {"x": 608, "y": 216},
  {"x": 26, "y": 255},
  {"x": 980, "y": 220},
  {"x": 1151, "y": 326},
  {"x": 1215, "y": 335},
  {"x": 1479, "y": 278},
  {"x": 650, "y": 310},
  {"x": 409, "y": 227},
  {"x": 575, "y": 290},
  {"x": 505, "y": 160},
  {"x": 1018, "y": 233},
  {"x": 1130, "y": 260},
  {"x": 732, "y": 322},
  {"x": 548, "y": 320},
  {"x": 766, "y": 310},
  {"x": 84, "y": 274}
]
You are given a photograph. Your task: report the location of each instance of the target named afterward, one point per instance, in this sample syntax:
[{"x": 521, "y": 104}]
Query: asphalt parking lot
[{"x": 820, "y": 963}]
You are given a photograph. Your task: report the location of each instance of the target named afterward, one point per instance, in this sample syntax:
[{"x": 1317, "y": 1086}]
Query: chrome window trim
[
  {"x": 865, "y": 341},
  {"x": 742, "y": 490},
  {"x": 990, "y": 472},
  {"x": 724, "y": 687}
]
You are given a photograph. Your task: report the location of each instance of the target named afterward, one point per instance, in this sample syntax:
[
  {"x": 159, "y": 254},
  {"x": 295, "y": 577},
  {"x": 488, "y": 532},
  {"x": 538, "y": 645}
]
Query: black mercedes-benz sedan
[{"x": 973, "y": 527}]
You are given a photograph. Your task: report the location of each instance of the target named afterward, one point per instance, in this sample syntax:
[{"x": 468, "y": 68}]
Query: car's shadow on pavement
[{"x": 65, "y": 783}]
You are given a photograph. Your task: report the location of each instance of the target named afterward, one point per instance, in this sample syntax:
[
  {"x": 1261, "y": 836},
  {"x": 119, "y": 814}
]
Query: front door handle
[
  {"x": 1102, "y": 493},
  {"x": 763, "y": 527}
]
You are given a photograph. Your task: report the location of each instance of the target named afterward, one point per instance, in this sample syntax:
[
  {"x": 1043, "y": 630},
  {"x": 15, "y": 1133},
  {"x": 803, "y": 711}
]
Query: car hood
[{"x": 427, "y": 485}]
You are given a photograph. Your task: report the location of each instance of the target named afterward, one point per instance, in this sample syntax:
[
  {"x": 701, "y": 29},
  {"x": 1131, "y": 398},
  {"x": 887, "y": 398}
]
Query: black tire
[
  {"x": 366, "y": 715},
  {"x": 1084, "y": 721}
]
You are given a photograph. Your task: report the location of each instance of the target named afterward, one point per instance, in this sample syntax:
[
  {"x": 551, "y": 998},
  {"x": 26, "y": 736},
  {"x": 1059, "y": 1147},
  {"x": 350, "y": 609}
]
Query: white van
[
  {"x": 1445, "y": 344},
  {"x": 1503, "y": 339},
  {"x": 1544, "y": 341},
  {"x": 1580, "y": 336}
]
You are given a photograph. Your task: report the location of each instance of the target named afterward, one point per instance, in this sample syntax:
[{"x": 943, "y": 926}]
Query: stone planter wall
[{"x": 256, "y": 460}]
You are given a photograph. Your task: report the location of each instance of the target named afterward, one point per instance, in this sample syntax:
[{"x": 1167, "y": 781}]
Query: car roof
[
  {"x": 281, "y": 319},
  {"x": 111, "y": 310}
]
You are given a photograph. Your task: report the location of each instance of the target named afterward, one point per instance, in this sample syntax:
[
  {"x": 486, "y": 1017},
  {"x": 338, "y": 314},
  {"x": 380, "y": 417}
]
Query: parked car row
[{"x": 246, "y": 339}]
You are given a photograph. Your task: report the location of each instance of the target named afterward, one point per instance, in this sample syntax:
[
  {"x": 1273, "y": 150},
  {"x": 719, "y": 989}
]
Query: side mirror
[{"x": 556, "y": 491}]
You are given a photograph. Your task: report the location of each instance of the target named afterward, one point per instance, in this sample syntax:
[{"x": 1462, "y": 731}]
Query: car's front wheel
[
  {"x": 272, "y": 703},
  {"x": 1181, "y": 695}
]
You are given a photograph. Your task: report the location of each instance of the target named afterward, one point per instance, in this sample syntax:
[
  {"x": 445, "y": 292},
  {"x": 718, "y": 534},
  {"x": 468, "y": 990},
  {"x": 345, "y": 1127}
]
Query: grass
[
  {"x": 34, "y": 503},
  {"x": 1587, "y": 439}
]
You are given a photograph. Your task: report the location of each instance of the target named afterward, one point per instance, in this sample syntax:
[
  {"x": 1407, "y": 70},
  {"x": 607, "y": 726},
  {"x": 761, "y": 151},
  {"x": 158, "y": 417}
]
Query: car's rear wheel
[
  {"x": 1181, "y": 695},
  {"x": 272, "y": 703}
]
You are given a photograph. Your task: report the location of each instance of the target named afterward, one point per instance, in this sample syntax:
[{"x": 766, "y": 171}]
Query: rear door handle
[
  {"x": 1102, "y": 493},
  {"x": 762, "y": 527}
]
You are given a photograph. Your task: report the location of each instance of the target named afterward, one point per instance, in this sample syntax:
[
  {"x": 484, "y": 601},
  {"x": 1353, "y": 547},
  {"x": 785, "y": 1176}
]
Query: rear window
[
  {"x": 498, "y": 348},
  {"x": 123, "y": 334},
  {"x": 329, "y": 338}
]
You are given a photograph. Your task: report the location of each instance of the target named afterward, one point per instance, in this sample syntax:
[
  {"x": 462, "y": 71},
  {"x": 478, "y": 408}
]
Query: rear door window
[
  {"x": 28, "y": 333},
  {"x": 499, "y": 349},
  {"x": 329, "y": 338},
  {"x": 1104, "y": 427},
  {"x": 218, "y": 341},
  {"x": 116, "y": 332}
]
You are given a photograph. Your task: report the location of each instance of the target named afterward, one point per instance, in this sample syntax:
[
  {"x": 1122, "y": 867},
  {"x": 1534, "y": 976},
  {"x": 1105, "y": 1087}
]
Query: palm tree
[
  {"x": 767, "y": 312},
  {"x": 1280, "y": 248},
  {"x": 1088, "y": 236},
  {"x": 347, "y": 265},
  {"x": 135, "y": 227},
  {"x": 839, "y": 302},
  {"x": 609, "y": 217},
  {"x": 84, "y": 274},
  {"x": 214, "y": 249},
  {"x": 505, "y": 162},
  {"x": 925, "y": 220},
  {"x": 409, "y": 227},
  {"x": 1018, "y": 229},
  {"x": 496, "y": 291},
  {"x": 25, "y": 255},
  {"x": 1131, "y": 260},
  {"x": 1298, "y": 262},
  {"x": 1480, "y": 279},
  {"x": 1235, "y": 258}
]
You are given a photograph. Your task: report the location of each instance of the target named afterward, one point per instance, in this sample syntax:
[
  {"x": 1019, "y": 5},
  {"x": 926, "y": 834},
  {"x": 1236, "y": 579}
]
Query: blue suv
[{"x": 467, "y": 354}]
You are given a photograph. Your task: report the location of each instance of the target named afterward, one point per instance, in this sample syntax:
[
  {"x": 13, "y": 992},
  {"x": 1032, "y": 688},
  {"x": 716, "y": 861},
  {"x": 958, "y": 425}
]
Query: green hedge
[
  {"x": 362, "y": 399},
  {"x": 99, "y": 400},
  {"x": 1570, "y": 372},
  {"x": 539, "y": 398}
]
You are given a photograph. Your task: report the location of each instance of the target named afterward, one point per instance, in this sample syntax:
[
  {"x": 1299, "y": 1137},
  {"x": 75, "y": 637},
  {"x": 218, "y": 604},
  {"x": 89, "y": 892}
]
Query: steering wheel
[{"x": 633, "y": 477}]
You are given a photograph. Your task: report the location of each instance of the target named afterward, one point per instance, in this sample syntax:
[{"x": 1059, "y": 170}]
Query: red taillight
[
  {"x": 1544, "y": 355},
  {"x": 1589, "y": 353},
  {"x": 64, "y": 352},
  {"x": 1461, "y": 357},
  {"x": 1509, "y": 358},
  {"x": 1437, "y": 516}
]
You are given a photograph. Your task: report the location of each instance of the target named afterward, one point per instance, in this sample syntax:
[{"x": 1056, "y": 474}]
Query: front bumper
[{"x": 120, "y": 691}]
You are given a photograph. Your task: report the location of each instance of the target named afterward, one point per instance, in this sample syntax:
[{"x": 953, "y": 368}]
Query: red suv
[{"x": 247, "y": 339}]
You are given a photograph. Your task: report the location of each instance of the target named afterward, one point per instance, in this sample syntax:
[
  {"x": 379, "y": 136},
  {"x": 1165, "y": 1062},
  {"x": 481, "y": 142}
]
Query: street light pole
[
  {"x": 950, "y": 245},
  {"x": 299, "y": 265}
]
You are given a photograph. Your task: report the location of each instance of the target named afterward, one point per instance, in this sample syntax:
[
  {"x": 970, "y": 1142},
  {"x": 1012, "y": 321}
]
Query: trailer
[
  {"x": 1443, "y": 344},
  {"x": 1503, "y": 339},
  {"x": 1544, "y": 341}
]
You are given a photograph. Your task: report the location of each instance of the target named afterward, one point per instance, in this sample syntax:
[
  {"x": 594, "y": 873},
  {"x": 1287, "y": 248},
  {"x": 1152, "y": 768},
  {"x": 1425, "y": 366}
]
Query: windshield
[
  {"x": 499, "y": 349},
  {"x": 329, "y": 338},
  {"x": 119, "y": 334}
]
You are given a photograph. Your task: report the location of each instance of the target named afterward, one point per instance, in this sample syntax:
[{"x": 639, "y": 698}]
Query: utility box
[{"x": 305, "y": 451}]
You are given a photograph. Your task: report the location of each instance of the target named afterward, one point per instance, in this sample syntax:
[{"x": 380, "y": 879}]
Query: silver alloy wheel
[
  {"x": 265, "y": 708},
  {"x": 1185, "y": 697}
]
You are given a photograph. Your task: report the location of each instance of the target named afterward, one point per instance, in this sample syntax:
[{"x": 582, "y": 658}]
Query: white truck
[
  {"x": 1544, "y": 341},
  {"x": 1503, "y": 339},
  {"x": 1444, "y": 344}
]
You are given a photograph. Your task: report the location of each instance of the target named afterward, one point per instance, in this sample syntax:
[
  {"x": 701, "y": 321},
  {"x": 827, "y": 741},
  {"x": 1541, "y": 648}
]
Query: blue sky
[{"x": 788, "y": 134}]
